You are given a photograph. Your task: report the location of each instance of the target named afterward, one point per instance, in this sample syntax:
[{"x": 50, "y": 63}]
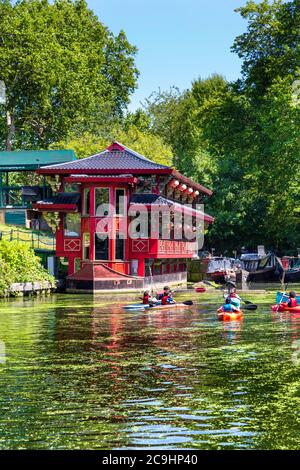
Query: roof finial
[{"x": 116, "y": 147}]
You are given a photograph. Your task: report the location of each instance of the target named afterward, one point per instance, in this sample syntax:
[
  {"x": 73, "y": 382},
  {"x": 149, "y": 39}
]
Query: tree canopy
[{"x": 64, "y": 70}]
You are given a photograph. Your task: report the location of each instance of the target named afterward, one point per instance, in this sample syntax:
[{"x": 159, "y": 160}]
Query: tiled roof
[
  {"x": 62, "y": 198},
  {"x": 158, "y": 200},
  {"x": 102, "y": 176},
  {"x": 116, "y": 158}
]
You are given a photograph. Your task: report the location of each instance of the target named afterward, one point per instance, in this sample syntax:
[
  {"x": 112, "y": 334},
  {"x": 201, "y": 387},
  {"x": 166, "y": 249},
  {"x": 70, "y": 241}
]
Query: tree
[
  {"x": 64, "y": 70},
  {"x": 270, "y": 48},
  {"x": 145, "y": 143}
]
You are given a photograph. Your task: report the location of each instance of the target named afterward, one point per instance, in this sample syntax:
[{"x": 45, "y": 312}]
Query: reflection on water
[{"x": 81, "y": 374}]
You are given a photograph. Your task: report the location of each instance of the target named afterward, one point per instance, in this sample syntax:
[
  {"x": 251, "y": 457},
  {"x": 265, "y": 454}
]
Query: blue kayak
[
  {"x": 138, "y": 306},
  {"x": 280, "y": 297}
]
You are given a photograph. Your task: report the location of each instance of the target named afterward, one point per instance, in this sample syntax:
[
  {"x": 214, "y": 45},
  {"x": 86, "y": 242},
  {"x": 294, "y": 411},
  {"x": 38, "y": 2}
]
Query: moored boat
[
  {"x": 218, "y": 268},
  {"x": 262, "y": 269}
]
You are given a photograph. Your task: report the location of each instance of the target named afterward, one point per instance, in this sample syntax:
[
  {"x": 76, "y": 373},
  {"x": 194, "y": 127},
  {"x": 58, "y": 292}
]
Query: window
[
  {"x": 77, "y": 264},
  {"x": 101, "y": 246},
  {"x": 134, "y": 266},
  {"x": 72, "y": 225},
  {"x": 157, "y": 267},
  {"x": 120, "y": 202},
  {"x": 86, "y": 245},
  {"x": 86, "y": 201},
  {"x": 120, "y": 247},
  {"x": 101, "y": 202}
]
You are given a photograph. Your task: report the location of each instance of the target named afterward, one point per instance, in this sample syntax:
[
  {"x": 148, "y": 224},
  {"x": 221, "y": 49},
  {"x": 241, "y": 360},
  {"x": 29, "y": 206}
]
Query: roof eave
[
  {"x": 187, "y": 180},
  {"x": 64, "y": 171}
]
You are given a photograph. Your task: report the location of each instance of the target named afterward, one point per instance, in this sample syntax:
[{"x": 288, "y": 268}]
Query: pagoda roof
[
  {"x": 61, "y": 202},
  {"x": 115, "y": 160}
]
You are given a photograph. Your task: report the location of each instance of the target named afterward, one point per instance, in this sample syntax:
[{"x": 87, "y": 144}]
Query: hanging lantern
[{"x": 182, "y": 187}]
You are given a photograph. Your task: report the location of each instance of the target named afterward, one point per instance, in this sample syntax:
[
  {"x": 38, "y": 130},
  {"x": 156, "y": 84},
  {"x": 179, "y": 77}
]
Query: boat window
[
  {"x": 101, "y": 246},
  {"x": 120, "y": 202},
  {"x": 120, "y": 247},
  {"x": 86, "y": 201},
  {"x": 101, "y": 202},
  {"x": 72, "y": 224},
  {"x": 86, "y": 245}
]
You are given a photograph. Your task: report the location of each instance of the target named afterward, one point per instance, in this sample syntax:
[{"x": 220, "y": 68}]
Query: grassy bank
[{"x": 19, "y": 264}]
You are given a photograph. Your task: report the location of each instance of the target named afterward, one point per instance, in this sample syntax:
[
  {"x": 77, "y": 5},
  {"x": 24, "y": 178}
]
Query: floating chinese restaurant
[{"x": 98, "y": 200}]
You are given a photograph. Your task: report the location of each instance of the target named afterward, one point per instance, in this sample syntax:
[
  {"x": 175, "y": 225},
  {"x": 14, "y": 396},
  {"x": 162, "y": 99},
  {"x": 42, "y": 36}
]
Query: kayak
[
  {"x": 230, "y": 316},
  {"x": 284, "y": 308},
  {"x": 135, "y": 307},
  {"x": 200, "y": 290},
  {"x": 280, "y": 297}
]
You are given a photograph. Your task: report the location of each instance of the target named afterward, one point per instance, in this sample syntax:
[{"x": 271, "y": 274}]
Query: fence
[{"x": 38, "y": 240}]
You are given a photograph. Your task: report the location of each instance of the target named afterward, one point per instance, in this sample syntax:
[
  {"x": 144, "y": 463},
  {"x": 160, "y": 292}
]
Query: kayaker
[
  {"x": 164, "y": 293},
  {"x": 228, "y": 307},
  {"x": 166, "y": 297},
  {"x": 146, "y": 297},
  {"x": 234, "y": 297},
  {"x": 292, "y": 302}
]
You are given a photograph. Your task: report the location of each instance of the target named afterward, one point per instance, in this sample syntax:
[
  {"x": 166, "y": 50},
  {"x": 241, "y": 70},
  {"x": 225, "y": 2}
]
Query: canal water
[{"x": 77, "y": 372}]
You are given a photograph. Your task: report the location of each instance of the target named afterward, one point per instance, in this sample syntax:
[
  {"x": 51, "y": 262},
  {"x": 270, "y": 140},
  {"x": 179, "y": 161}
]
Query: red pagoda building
[{"x": 100, "y": 198}]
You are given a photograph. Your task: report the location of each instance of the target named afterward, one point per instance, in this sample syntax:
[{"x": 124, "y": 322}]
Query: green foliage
[
  {"x": 63, "y": 69},
  {"x": 242, "y": 139},
  {"x": 146, "y": 143},
  {"x": 270, "y": 47},
  {"x": 18, "y": 263}
]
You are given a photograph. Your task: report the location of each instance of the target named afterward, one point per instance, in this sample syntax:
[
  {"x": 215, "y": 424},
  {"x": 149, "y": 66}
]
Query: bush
[{"x": 18, "y": 263}]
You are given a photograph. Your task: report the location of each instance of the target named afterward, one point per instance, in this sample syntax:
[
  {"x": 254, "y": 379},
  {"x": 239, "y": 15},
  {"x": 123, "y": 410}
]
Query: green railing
[{"x": 38, "y": 240}]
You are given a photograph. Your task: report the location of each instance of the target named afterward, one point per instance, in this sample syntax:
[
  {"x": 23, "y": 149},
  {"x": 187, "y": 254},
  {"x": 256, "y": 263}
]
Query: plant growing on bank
[{"x": 19, "y": 264}]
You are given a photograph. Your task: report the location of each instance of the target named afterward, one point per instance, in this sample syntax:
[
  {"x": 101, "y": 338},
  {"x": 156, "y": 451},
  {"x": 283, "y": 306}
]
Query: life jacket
[
  {"x": 164, "y": 299},
  {"x": 292, "y": 303},
  {"x": 146, "y": 299},
  {"x": 228, "y": 308}
]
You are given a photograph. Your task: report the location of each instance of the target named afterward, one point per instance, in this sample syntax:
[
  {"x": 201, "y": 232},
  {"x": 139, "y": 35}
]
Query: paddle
[
  {"x": 282, "y": 297},
  {"x": 250, "y": 307},
  {"x": 187, "y": 302}
]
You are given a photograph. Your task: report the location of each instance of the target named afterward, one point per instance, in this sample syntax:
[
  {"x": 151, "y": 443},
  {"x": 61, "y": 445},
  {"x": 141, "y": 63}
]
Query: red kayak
[
  {"x": 284, "y": 308},
  {"x": 230, "y": 316},
  {"x": 200, "y": 290}
]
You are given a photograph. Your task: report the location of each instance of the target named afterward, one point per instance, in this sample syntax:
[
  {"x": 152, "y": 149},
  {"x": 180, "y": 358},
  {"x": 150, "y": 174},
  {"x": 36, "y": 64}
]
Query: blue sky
[{"x": 178, "y": 40}]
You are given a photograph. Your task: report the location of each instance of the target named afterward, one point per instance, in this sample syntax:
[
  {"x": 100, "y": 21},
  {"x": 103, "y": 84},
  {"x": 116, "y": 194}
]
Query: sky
[{"x": 177, "y": 40}]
